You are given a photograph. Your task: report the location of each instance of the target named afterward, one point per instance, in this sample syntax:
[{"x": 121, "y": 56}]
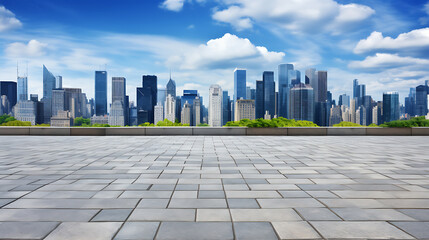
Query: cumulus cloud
[
  {"x": 417, "y": 39},
  {"x": 295, "y": 16},
  {"x": 8, "y": 20},
  {"x": 227, "y": 51},
  {"x": 173, "y": 5},
  {"x": 82, "y": 60},
  {"x": 33, "y": 48},
  {"x": 382, "y": 61}
]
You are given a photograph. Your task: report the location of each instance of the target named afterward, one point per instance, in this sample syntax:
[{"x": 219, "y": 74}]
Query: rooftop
[{"x": 203, "y": 187}]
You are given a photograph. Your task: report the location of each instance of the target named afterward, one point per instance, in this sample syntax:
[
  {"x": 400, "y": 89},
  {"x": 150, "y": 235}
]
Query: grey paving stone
[
  {"x": 211, "y": 194},
  {"x": 418, "y": 214},
  {"x": 213, "y": 215},
  {"x": 295, "y": 230},
  {"x": 353, "y": 214},
  {"x": 83, "y": 231},
  {"x": 195, "y": 230},
  {"x": 46, "y": 215},
  {"x": 112, "y": 215},
  {"x": 137, "y": 231},
  {"x": 289, "y": 203},
  {"x": 242, "y": 203},
  {"x": 254, "y": 230},
  {"x": 420, "y": 230},
  {"x": 264, "y": 215},
  {"x": 153, "y": 203},
  {"x": 367, "y": 229},
  {"x": 163, "y": 215},
  {"x": 26, "y": 230},
  {"x": 73, "y": 203},
  {"x": 197, "y": 203},
  {"x": 317, "y": 214}
]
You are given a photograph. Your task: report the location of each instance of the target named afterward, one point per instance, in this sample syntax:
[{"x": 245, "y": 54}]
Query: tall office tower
[
  {"x": 189, "y": 96},
  {"x": 375, "y": 112},
  {"x": 311, "y": 78},
  {"x": 335, "y": 115},
  {"x": 353, "y": 110},
  {"x": 118, "y": 110},
  {"x": 171, "y": 88},
  {"x": 259, "y": 101},
  {"x": 178, "y": 108},
  {"x": 367, "y": 103},
  {"x": 421, "y": 107},
  {"x": 355, "y": 88},
  {"x": 226, "y": 108},
  {"x": 248, "y": 93},
  {"x": 162, "y": 94},
  {"x": 22, "y": 88},
  {"x": 58, "y": 82},
  {"x": 170, "y": 108},
  {"x": 269, "y": 93},
  {"x": 197, "y": 111},
  {"x": 379, "y": 105},
  {"x": 276, "y": 97},
  {"x": 358, "y": 115},
  {"x": 410, "y": 103},
  {"x": 344, "y": 100},
  {"x": 9, "y": 89},
  {"x": 48, "y": 84},
  {"x": 215, "y": 106},
  {"x": 4, "y": 105},
  {"x": 245, "y": 109},
  {"x": 390, "y": 106},
  {"x": 252, "y": 94},
  {"x": 284, "y": 89},
  {"x": 186, "y": 113},
  {"x": 159, "y": 113},
  {"x": 100, "y": 93},
  {"x": 34, "y": 97},
  {"x": 301, "y": 107},
  {"x": 26, "y": 110},
  {"x": 322, "y": 86},
  {"x": 345, "y": 113},
  {"x": 322, "y": 106},
  {"x": 239, "y": 84},
  {"x": 91, "y": 107},
  {"x": 147, "y": 97},
  {"x": 294, "y": 77},
  {"x": 58, "y": 101},
  {"x": 361, "y": 115}
]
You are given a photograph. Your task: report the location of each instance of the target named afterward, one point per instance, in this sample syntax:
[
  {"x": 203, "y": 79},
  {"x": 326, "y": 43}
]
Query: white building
[
  {"x": 215, "y": 106},
  {"x": 26, "y": 111},
  {"x": 186, "y": 113},
  {"x": 158, "y": 113},
  {"x": 245, "y": 109},
  {"x": 170, "y": 108},
  {"x": 117, "y": 117}
]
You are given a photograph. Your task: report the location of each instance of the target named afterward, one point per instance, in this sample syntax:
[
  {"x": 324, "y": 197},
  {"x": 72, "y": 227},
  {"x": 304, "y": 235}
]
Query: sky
[{"x": 384, "y": 44}]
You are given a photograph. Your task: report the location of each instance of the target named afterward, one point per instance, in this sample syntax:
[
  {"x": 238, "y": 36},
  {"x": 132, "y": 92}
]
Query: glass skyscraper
[
  {"x": 284, "y": 89},
  {"x": 22, "y": 88},
  {"x": 100, "y": 93},
  {"x": 302, "y": 101},
  {"x": 49, "y": 81},
  {"x": 259, "y": 101},
  {"x": 239, "y": 84},
  {"x": 269, "y": 93},
  {"x": 421, "y": 106},
  {"x": 147, "y": 97},
  {"x": 8, "y": 88},
  {"x": 171, "y": 88},
  {"x": 226, "y": 108},
  {"x": 390, "y": 106}
]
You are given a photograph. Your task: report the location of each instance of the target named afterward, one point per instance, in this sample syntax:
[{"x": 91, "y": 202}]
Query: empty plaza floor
[{"x": 203, "y": 187}]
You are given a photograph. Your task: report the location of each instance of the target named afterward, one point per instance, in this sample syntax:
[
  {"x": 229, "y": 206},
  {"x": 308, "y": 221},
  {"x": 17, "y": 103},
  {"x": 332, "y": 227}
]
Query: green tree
[
  {"x": 347, "y": 124},
  {"x": 80, "y": 121}
]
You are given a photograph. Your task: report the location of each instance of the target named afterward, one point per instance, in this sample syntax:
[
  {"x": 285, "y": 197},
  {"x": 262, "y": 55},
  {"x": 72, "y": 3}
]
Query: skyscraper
[
  {"x": 171, "y": 88},
  {"x": 186, "y": 113},
  {"x": 22, "y": 88},
  {"x": 294, "y": 77},
  {"x": 284, "y": 89},
  {"x": 390, "y": 106},
  {"x": 344, "y": 100},
  {"x": 312, "y": 79},
  {"x": 170, "y": 108},
  {"x": 410, "y": 102},
  {"x": 301, "y": 108},
  {"x": 322, "y": 86},
  {"x": 421, "y": 106},
  {"x": 161, "y": 95},
  {"x": 215, "y": 106},
  {"x": 147, "y": 97},
  {"x": 58, "y": 82},
  {"x": 239, "y": 84},
  {"x": 118, "y": 110},
  {"x": 49, "y": 81},
  {"x": 245, "y": 109},
  {"x": 159, "y": 113},
  {"x": 226, "y": 108},
  {"x": 197, "y": 111},
  {"x": 9, "y": 89},
  {"x": 269, "y": 93},
  {"x": 100, "y": 93},
  {"x": 259, "y": 101}
]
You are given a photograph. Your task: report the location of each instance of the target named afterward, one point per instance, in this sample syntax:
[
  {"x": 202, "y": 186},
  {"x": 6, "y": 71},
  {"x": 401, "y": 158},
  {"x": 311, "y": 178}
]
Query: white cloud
[
  {"x": 295, "y": 16},
  {"x": 383, "y": 61},
  {"x": 414, "y": 40},
  {"x": 224, "y": 52},
  {"x": 8, "y": 20},
  {"x": 173, "y": 5},
  {"x": 33, "y": 48},
  {"x": 83, "y": 60},
  {"x": 426, "y": 8}
]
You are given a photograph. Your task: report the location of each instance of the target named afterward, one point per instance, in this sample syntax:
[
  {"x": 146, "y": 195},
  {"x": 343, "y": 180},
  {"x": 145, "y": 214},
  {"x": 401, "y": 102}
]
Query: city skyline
[{"x": 169, "y": 38}]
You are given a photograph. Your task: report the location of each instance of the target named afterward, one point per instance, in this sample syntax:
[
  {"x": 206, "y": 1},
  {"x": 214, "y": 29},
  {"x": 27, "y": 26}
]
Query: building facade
[
  {"x": 100, "y": 93},
  {"x": 245, "y": 109},
  {"x": 215, "y": 106}
]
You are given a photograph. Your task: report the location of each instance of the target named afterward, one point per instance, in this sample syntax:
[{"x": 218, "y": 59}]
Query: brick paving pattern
[{"x": 230, "y": 187}]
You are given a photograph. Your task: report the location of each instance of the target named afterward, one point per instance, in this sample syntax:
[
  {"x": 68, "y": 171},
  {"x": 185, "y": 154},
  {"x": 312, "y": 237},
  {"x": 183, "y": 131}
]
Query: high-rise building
[
  {"x": 367, "y": 103},
  {"x": 9, "y": 89},
  {"x": 186, "y": 113},
  {"x": 410, "y": 103},
  {"x": 58, "y": 82},
  {"x": 335, "y": 115},
  {"x": 147, "y": 97},
  {"x": 197, "y": 111},
  {"x": 344, "y": 100},
  {"x": 26, "y": 110},
  {"x": 284, "y": 89},
  {"x": 269, "y": 93},
  {"x": 421, "y": 106},
  {"x": 322, "y": 86},
  {"x": 294, "y": 77},
  {"x": 22, "y": 88},
  {"x": 239, "y": 84},
  {"x": 353, "y": 110},
  {"x": 215, "y": 106},
  {"x": 226, "y": 108},
  {"x": 100, "y": 93},
  {"x": 119, "y": 107},
  {"x": 117, "y": 117},
  {"x": 159, "y": 113},
  {"x": 171, "y": 88},
  {"x": 62, "y": 119},
  {"x": 375, "y": 112},
  {"x": 301, "y": 107},
  {"x": 58, "y": 101},
  {"x": 259, "y": 101},
  {"x": 312, "y": 79},
  {"x": 178, "y": 107},
  {"x": 4, "y": 106},
  {"x": 390, "y": 106},
  {"x": 245, "y": 109},
  {"x": 49, "y": 81},
  {"x": 170, "y": 108},
  {"x": 161, "y": 95}
]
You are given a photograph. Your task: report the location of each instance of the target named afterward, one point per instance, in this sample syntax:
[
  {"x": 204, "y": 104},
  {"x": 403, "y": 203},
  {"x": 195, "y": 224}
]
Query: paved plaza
[{"x": 229, "y": 187}]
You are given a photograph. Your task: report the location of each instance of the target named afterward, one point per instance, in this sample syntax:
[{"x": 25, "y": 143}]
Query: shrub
[
  {"x": 347, "y": 124},
  {"x": 273, "y": 123},
  {"x": 203, "y": 125},
  {"x": 413, "y": 122},
  {"x": 17, "y": 123},
  {"x": 80, "y": 121},
  {"x": 6, "y": 118}
]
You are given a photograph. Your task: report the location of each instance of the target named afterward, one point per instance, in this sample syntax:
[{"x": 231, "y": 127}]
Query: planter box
[
  {"x": 87, "y": 131},
  {"x": 304, "y": 131},
  {"x": 218, "y": 131},
  {"x": 49, "y": 131},
  {"x": 346, "y": 131},
  {"x": 267, "y": 131},
  {"x": 14, "y": 130},
  {"x": 388, "y": 131},
  {"x": 125, "y": 131},
  {"x": 420, "y": 131},
  {"x": 158, "y": 131}
]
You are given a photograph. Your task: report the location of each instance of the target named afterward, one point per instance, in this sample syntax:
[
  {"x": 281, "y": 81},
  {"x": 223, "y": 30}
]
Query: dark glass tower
[
  {"x": 147, "y": 97},
  {"x": 421, "y": 107},
  {"x": 259, "y": 101},
  {"x": 100, "y": 93},
  {"x": 8, "y": 88},
  {"x": 226, "y": 108},
  {"x": 171, "y": 88},
  {"x": 284, "y": 89},
  {"x": 390, "y": 106},
  {"x": 239, "y": 86},
  {"x": 269, "y": 93},
  {"x": 49, "y": 81}
]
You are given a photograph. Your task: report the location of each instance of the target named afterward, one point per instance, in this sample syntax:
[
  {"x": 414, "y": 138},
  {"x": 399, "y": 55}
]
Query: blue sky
[{"x": 384, "y": 44}]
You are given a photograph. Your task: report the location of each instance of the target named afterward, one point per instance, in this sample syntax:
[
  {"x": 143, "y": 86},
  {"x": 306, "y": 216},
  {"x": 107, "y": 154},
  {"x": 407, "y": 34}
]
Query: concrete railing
[{"x": 213, "y": 131}]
